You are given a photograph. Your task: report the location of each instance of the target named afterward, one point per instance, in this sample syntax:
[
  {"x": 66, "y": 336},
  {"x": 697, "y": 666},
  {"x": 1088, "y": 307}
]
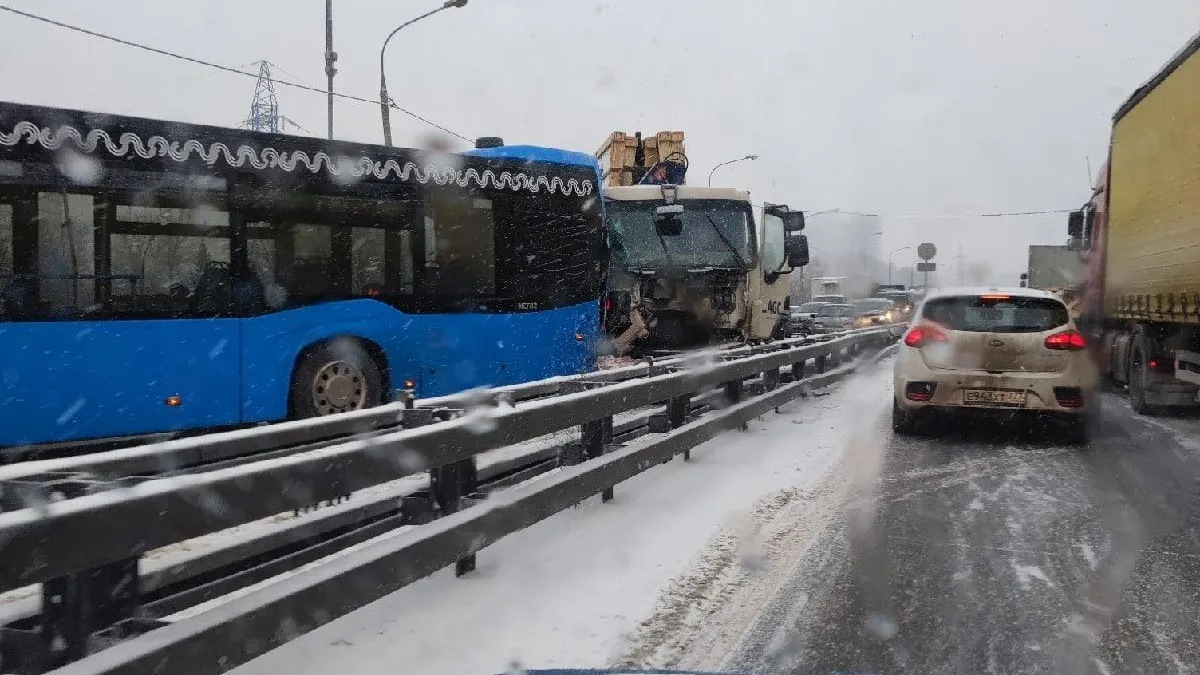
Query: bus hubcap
[{"x": 338, "y": 387}]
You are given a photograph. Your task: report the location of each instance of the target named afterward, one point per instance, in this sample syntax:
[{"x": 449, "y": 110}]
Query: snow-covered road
[{"x": 634, "y": 581}]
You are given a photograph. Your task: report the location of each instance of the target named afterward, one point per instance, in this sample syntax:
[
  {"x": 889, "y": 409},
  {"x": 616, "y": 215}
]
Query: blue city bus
[{"x": 159, "y": 277}]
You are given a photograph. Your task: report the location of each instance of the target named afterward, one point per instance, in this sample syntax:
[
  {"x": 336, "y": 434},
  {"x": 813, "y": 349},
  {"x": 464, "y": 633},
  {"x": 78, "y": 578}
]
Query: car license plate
[{"x": 993, "y": 397}]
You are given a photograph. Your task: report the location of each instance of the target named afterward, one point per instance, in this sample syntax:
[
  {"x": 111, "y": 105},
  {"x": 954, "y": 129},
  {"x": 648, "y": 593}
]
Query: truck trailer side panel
[{"x": 1153, "y": 249}]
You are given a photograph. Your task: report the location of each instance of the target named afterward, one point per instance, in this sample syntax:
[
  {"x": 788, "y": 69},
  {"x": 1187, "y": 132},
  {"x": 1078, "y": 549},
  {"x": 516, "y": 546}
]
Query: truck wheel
[
  {"x": 334, "y": 378},
  {"x": 1139, "y": 373}
]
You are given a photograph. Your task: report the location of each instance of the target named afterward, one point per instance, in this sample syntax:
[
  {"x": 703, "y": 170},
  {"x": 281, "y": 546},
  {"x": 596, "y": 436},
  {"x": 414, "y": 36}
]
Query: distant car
[
  {"x": 874, "y": 312},
  {"x": 803, "y": 318},
  {"x": 832, "y": 318},
  {"x": 1014, "y": 351},
  {"x": 904, "y": 304}
]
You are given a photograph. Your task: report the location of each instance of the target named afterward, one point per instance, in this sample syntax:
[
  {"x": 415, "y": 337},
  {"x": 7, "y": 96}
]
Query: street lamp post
[
  {"x": 384, "y": 100},
  {"x": 330, "y": 59},
  {"x": 747, "y": 158},
  {"x": 902, "y": 248}
]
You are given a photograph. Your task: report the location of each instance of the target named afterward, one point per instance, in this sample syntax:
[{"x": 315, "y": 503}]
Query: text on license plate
[{"x": 993, "y": 397}]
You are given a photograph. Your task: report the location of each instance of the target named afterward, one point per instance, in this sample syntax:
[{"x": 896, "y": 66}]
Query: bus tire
[{"x": 335, "y": 377}]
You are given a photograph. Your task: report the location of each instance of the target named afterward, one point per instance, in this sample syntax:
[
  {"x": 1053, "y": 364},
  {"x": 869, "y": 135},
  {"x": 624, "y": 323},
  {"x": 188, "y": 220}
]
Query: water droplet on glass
[
  {"x": 480, "y": 415},
  {"x": 882, "y": 626},
  {"x": 71, "y": 411},
  {"x": 343, "y": 171},
  {"x": 410, "y": 461},
  {"x": 80, "y": 169}
]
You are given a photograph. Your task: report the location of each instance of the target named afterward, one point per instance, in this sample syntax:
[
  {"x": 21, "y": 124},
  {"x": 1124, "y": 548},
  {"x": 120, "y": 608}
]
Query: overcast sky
[{"x": 899, "y": 108}]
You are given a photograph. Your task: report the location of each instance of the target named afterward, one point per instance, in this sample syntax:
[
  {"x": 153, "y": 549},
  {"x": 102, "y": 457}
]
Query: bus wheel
[{"x": 335, "y": 378}]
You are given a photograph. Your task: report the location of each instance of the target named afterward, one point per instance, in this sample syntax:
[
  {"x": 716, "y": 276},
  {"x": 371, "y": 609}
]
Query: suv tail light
[
  {"x": 919, "y": 391},
  {"x": 1069, "y": 397},
  {"x": 919, "y": 336},
  {"x": 1071, "y": 340}
]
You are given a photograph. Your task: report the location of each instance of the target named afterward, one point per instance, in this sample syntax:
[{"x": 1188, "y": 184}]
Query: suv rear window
[{"x": 999, "y": 314}]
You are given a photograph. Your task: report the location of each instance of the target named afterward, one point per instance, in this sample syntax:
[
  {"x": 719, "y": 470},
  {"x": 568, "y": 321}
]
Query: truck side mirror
[
  {"x": 1075, "y": 222},
  {"x": 797, "y": 251},
  {"x": 793, "y": 221},
  {"x": 667, "y": 220},
  {"x": 1075, "y": 225}
]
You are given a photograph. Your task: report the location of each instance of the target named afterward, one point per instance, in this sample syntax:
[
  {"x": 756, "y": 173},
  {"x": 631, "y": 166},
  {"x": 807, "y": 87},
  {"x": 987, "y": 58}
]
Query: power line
[
  {"x": 236, "y": 71},
  {"x": 997, "y": 214}
]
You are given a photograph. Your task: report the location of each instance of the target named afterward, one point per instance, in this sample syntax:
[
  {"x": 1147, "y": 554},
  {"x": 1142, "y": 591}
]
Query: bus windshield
[{"x": 716, "y": 233}]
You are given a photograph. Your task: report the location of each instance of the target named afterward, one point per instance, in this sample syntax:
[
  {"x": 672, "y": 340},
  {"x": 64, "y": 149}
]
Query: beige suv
[{"x": 1007, "y": 352}]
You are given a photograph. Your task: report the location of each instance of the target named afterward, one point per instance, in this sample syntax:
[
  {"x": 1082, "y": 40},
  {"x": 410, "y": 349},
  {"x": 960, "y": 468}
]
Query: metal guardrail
[{"x": 84, "y": 548}]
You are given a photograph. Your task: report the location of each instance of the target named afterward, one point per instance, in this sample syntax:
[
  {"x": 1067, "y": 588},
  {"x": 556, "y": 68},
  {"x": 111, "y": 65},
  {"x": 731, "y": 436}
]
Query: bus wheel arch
[{"x": 337, "y": 374}]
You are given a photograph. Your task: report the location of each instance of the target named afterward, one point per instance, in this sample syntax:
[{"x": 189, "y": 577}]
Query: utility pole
[
  {"x": 959, "y": 264},
  {"x": 330, "y": 59}
]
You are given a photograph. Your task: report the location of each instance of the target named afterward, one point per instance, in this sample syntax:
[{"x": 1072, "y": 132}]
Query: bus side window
[
  {"x": 293, "y": 262},
  {"x": 6, "y": 258},
  {"x": 66, "y": 252},
  {"x": 158, "y": 257},
  {"x": 368, "y": 245},
  {"x": 462, "y": 257}
]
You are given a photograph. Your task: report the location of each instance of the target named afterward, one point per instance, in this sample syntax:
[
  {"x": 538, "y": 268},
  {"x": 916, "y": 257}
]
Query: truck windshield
[{"x": 635, "y": 242}]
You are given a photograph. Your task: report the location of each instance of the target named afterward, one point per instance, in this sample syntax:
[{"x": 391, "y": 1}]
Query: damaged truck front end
[{"x": 678, "y": 271}]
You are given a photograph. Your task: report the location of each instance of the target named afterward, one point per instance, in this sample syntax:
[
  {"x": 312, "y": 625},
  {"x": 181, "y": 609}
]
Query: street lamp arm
[
  {"x": 406, "y": 24},
  {"x": 727, "y": 163},
  {"x": 385, "y": 101}
]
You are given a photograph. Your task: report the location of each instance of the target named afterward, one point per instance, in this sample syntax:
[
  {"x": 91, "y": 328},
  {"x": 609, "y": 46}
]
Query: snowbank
[{"x": 573, "y": 590}]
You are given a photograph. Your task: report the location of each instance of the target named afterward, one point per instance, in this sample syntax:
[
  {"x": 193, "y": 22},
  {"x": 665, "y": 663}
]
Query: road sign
[
  {"x": 926, "y": 251},
  {"x": 926, "y": 266}
]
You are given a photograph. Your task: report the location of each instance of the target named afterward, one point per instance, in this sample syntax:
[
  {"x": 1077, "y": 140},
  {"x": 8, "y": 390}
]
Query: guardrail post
[
  {"x": 594, "y": 437},
  {"x": 74, "y": 606},
  {"x": 447, "y": 484},
  {"x": 77, "y": 605},
  {"x": 733, "y": 395},
  {"x": 798, "y": 370},
  {"x": 770, "y": 379},
  {"x": 677, "y": 411}
]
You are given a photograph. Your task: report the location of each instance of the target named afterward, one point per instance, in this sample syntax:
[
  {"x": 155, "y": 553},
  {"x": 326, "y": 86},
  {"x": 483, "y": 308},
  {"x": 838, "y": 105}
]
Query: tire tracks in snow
[
  {"x": 707, "y": 611},
  {"x": 749, "y": 576}
]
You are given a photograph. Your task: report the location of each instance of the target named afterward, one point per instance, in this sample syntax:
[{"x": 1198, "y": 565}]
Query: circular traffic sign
[{"x": 926, "y": 251}]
